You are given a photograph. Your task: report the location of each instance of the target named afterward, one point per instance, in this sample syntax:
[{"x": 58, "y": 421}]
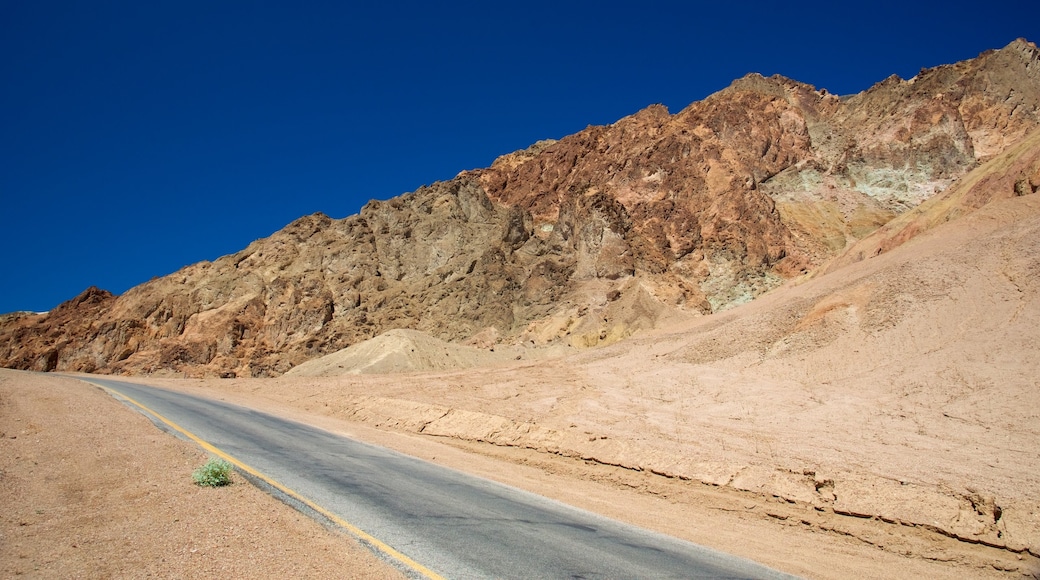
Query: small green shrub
[{"x": 215, "y": 473}]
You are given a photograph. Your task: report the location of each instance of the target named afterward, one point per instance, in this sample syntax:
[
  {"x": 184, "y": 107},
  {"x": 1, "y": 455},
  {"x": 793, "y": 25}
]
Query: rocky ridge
[{"x": 581, "y": 241}]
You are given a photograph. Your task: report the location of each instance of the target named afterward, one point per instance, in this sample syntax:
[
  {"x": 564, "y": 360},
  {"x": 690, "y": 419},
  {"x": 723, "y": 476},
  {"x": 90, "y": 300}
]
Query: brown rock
[{"x": 696, "y": 212}]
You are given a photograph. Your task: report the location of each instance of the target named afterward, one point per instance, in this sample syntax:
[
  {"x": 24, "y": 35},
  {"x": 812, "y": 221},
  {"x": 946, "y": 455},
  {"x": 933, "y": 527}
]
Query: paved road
[{"x": 456, "y": 525}]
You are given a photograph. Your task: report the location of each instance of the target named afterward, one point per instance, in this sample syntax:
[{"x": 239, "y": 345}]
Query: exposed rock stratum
[{"x": 576, "y": 242}]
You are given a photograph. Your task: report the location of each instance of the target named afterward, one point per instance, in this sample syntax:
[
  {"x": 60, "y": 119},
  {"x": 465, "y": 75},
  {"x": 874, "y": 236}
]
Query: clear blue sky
[{"x": 139, "y": 137}]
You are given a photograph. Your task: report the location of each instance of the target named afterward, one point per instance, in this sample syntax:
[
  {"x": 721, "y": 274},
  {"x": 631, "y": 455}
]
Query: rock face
[
  {"x": 583, "y": 241},
  {"x": 768, "y": 177},
  {"x": 45, "y": 342},
  {"x": 1013, "y": 173}
]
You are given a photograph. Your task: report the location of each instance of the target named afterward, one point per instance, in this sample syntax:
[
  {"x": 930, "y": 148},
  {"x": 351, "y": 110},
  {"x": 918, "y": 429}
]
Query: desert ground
[
  {"x": 880, "y": 421},
  {"x": 91, "y": 489},
  {"x": 97, "y": 491}
]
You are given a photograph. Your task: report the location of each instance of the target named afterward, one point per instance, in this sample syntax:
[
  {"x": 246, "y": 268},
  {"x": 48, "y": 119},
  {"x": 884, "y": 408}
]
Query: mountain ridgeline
[{"x": 576, "y": 242}]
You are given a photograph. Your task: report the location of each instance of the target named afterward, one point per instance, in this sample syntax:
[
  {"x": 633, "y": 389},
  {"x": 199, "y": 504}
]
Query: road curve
[{"x": 453, "y": 524}]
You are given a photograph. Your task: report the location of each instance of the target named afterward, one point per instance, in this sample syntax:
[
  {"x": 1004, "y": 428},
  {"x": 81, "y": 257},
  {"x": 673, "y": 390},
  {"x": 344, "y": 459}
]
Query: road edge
[{"x": 270, "y": 485}]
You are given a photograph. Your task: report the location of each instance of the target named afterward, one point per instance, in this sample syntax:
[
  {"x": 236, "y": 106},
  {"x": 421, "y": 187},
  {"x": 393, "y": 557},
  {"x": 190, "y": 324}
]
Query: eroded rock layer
[{"x": 580, "y": 241}]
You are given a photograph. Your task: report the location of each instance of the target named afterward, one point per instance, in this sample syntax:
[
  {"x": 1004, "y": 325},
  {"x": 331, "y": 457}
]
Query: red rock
[{"x": 696, "y": 211}]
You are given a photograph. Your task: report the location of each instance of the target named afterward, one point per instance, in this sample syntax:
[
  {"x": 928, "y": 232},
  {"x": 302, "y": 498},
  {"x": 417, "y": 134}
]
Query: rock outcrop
[
  {"x": 1013, "y": 173},
  {"x": 583, "y": 240}
]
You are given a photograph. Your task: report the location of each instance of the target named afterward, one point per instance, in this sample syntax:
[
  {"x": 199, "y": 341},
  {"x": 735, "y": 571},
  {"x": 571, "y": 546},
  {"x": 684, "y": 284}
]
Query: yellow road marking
[{"x": 382, "y": 547}]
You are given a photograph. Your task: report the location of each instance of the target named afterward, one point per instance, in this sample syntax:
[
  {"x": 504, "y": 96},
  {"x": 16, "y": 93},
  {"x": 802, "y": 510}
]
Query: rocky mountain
[{"x": 580, "y": 241}]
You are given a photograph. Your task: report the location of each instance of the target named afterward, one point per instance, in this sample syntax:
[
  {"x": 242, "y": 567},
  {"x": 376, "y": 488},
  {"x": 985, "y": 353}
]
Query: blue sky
[{"x": 139, "y": 137}]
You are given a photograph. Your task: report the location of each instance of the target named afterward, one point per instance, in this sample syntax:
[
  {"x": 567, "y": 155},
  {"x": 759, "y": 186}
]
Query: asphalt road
[{"x": 454, "y": 524}]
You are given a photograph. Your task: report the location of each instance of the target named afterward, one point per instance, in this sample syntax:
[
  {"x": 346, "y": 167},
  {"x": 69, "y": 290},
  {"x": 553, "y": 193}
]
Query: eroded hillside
[{"x": 581, "y": 241}]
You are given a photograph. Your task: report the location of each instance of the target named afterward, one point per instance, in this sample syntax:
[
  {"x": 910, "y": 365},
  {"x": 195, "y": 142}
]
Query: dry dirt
[
  {"x": 91, "y": 489},
  {"x": 100, "y": 492}
]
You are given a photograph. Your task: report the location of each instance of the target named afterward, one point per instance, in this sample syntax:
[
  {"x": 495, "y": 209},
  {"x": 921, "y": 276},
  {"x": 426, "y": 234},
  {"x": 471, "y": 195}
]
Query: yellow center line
[{"x": 382, "y": 547}]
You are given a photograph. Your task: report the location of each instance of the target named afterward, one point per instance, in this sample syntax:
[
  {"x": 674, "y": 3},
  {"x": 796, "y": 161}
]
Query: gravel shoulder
[{"x": 93, "y": 489}]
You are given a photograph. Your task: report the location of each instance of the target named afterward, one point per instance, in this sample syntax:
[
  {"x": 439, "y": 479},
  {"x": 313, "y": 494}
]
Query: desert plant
[{"x": 215, "y": 473}]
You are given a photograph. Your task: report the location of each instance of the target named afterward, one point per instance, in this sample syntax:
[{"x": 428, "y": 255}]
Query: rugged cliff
[{"x": 583, "y": 240}]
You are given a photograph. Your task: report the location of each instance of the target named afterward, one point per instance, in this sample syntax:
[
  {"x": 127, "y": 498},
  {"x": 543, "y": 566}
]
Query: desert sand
[{"x": 91, "y": 489}]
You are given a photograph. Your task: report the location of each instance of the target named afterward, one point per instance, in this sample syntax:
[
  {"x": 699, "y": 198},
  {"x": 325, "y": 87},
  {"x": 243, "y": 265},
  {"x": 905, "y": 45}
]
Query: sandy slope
[{"x": 403, "y": 350}]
